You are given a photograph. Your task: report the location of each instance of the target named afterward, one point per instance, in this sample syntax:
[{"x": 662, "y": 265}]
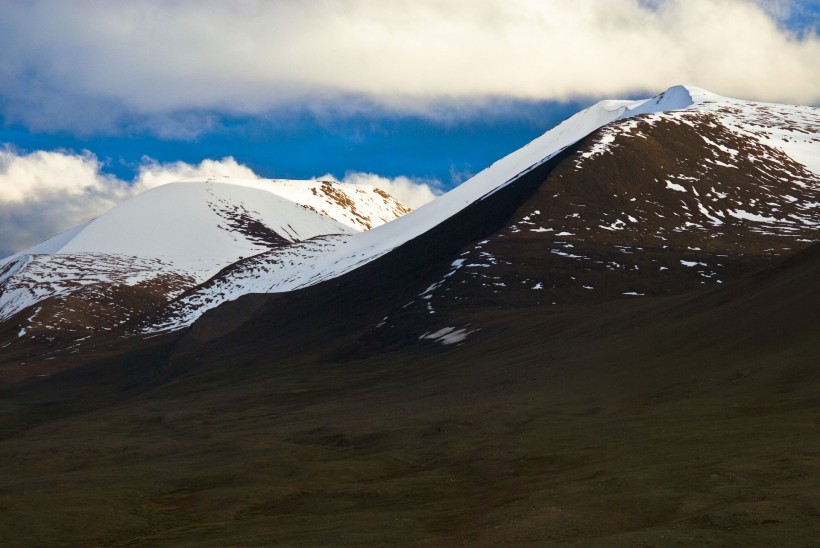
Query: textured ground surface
[{"x": 676, "y": 421}]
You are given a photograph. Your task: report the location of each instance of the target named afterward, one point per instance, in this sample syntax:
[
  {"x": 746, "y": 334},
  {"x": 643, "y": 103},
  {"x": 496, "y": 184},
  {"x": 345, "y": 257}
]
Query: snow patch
[
  {"x": 745, "y": 215},
  {"x": 447, "y": 335}
]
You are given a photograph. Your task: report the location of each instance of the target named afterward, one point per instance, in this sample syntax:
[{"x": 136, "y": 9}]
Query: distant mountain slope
[{"x": 113, "y": 270}]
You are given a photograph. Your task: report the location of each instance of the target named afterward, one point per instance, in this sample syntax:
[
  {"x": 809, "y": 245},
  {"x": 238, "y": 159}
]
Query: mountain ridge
[
  {"x": 572, "y": 256},
  {"x": 681, "y": 164},
  {"x": 352, "y": 252}
]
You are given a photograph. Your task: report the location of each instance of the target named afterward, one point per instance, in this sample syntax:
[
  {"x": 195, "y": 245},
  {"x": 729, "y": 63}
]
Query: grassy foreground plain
[{"x": 674, "y": 421}]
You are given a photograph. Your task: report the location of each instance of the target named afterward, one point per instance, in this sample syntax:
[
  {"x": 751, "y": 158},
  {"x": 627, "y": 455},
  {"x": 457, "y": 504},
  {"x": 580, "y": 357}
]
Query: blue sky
[
  {"x": 95, "y": 94},
  {"x": 303, "y": 145}
]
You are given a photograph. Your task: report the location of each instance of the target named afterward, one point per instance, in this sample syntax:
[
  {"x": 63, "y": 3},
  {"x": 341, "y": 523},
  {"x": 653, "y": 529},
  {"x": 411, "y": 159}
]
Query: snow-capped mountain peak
[{"x": 173, "y": 237}]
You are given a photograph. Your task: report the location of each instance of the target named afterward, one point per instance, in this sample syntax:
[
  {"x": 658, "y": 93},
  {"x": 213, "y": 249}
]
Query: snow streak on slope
[
  {"x": 312, "y": 262},
  {"x": 64, "y": 295}
]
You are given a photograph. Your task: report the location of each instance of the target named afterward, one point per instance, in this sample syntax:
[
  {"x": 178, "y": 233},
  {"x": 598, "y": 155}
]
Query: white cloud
[
  {"x": 153, "y": 173},
  {"x": 41, "y": 174},
  {"x": 166, "y": 59},
  {"x": 45, "y": 193},
  {"x": 413, "y": 192}
]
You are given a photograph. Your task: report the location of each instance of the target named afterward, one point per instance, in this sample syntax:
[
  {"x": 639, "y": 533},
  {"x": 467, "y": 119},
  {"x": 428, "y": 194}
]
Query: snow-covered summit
[
  {"x": 186, "y": 232},
  {"x": 198, "y": 225}
]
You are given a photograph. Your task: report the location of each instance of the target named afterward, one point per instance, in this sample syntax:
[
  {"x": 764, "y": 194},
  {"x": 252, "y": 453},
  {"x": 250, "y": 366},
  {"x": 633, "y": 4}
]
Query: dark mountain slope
[
  {"x": 768, "y": 308},
  {"x": 361, "y": 298},
  {"x": 608, "y": 224}
]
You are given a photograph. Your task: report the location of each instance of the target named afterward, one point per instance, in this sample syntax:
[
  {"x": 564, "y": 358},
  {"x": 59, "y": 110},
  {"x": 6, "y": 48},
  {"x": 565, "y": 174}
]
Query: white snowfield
[
  {"x": 191, "y": 229},
  {"x": 200, "y": 241},
  {"x": 189, "y": 225}
]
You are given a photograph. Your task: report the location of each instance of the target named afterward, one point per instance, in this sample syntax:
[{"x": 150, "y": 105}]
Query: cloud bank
[
  {"x": 97, "y": 64},
  {"x": 45, "y": 193}
]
